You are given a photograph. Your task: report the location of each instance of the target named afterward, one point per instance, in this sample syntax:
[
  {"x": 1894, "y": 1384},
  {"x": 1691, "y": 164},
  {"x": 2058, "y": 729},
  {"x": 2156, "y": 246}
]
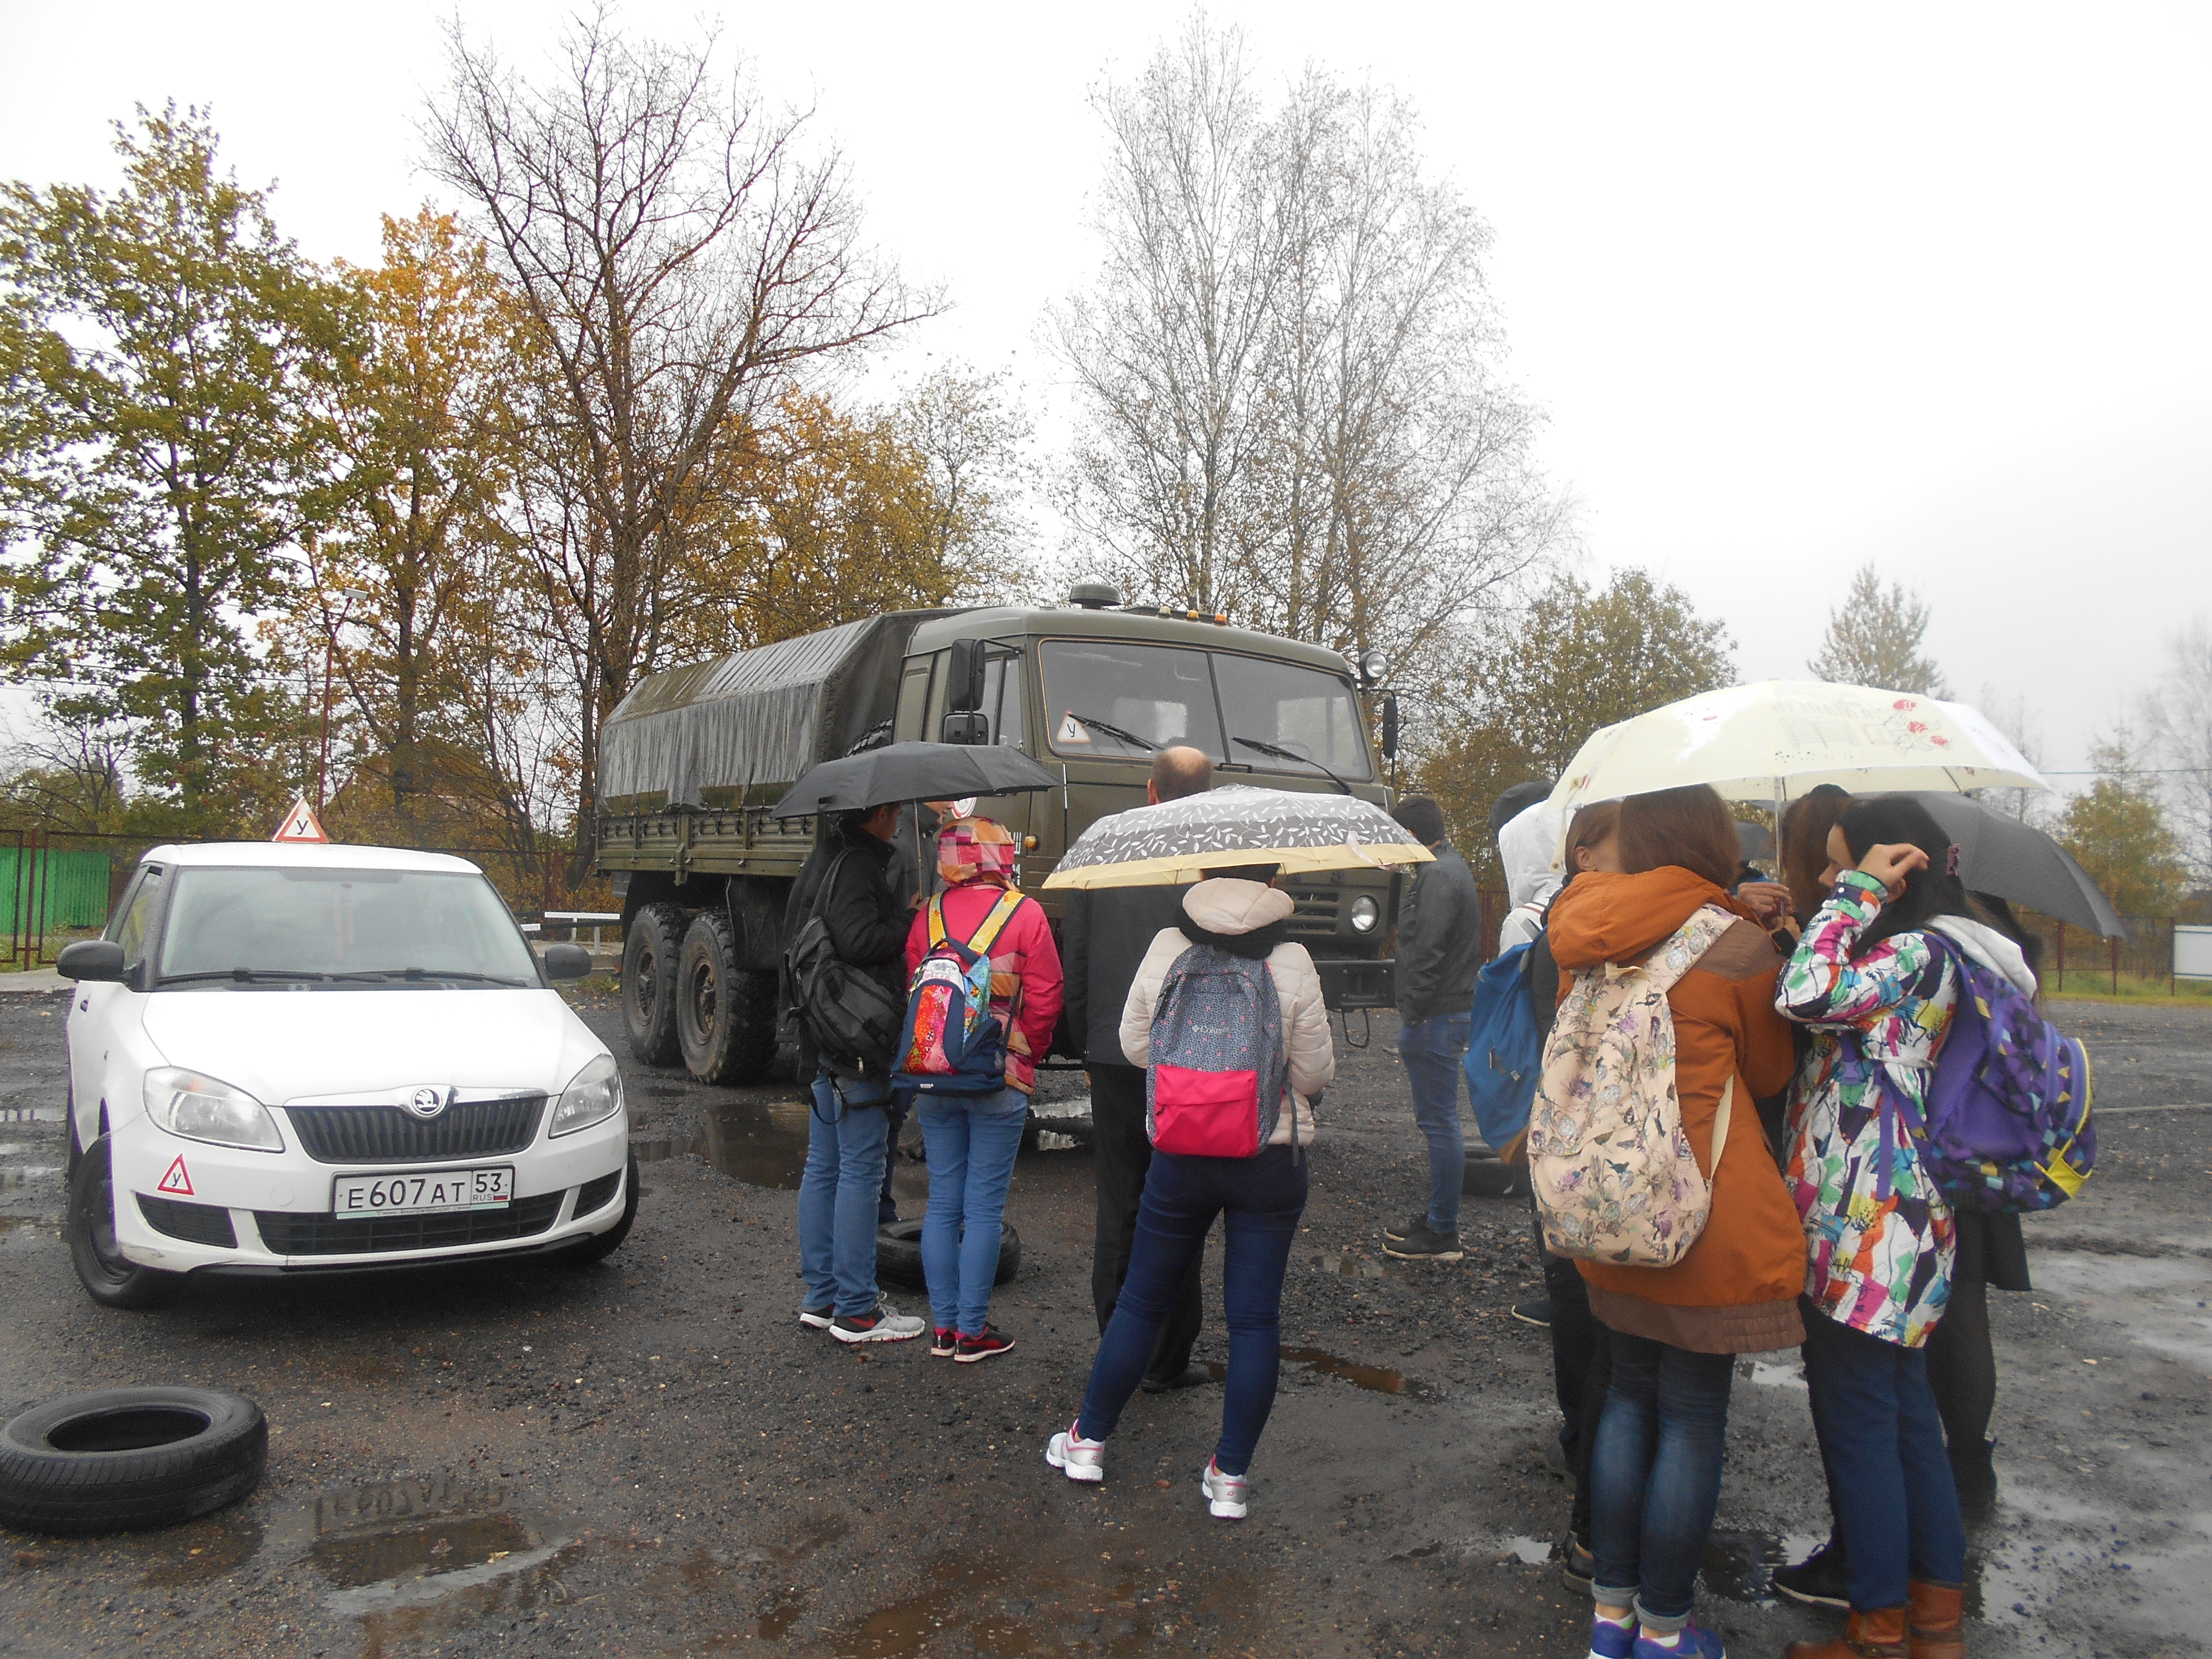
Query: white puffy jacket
[{"x": 1225, "y": 905}]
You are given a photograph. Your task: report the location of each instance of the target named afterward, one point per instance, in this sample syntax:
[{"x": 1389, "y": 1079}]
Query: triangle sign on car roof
[{"x": 301, "y": 825}]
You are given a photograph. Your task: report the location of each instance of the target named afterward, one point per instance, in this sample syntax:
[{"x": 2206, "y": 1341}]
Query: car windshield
[{"x": 344, "y": 928}]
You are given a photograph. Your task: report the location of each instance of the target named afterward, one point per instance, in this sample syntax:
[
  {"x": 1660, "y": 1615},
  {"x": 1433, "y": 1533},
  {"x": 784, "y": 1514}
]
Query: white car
[{"x": 298, "y": 1057}]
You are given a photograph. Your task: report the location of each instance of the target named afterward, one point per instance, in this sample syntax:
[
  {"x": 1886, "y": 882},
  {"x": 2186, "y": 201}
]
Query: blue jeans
[
  {"x": 1895, "y": 1502},
  {"x": 971, "y": 1142},
  {"x": 1431, "y": 1049},
  {"x": 1260, "y": 1199},
  {"x": 837, "y": 1197},
  {"x": 1656, "y": 1475}
]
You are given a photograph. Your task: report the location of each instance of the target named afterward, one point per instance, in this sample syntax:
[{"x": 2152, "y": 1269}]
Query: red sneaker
[
  {"x": 944, "y": 1343},
  {"x": 973, "y": 1348}
]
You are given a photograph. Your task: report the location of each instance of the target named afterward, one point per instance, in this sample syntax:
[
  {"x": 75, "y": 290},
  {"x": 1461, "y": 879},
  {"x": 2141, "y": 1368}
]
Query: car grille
[
  {"x": 287, "y": 1233},
  {"x": 592, "y": 1195},
  {"x": 195, "y": 1224},
  {"x": 386, "y": 1135}
]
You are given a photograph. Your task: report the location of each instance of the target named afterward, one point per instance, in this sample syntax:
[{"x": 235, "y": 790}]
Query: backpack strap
[
  {"x": 987, "y": 935},
  {"x": 936, "y": 920}
]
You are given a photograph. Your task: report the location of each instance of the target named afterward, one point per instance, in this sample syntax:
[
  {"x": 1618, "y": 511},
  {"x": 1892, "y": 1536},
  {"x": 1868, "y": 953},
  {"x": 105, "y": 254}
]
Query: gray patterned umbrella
[{"x": 1180, "y": 841}]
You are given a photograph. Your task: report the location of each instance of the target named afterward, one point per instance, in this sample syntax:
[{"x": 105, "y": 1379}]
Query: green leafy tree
[
  {"x": 1545, "y": 679},
  {"x": 164, "y": 347},
  {"x": 1875, "y": 640},
  {"x": 2118, "y": 832}
]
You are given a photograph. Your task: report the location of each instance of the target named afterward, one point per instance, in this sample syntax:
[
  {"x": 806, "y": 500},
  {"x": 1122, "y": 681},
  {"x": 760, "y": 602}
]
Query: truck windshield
[
  {"x": 1301, "y": 710},
  {"x": 345, "y": 929}
]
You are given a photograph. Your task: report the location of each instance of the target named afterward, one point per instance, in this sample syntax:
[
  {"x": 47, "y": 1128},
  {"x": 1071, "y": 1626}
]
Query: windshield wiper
[
  {"x": 1281, "y": 753},
  {"x": 419, "y": 973},
  {"x": 241, "y": 976},
  {"x": 1113, "y": 731}
]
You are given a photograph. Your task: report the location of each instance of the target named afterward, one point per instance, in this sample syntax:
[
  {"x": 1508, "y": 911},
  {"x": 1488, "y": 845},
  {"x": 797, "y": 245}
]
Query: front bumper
[{"x": 174, "y": 1198}]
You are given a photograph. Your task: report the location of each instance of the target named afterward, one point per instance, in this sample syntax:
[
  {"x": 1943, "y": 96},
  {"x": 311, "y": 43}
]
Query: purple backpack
[{"x": 2006, "y": 1126}]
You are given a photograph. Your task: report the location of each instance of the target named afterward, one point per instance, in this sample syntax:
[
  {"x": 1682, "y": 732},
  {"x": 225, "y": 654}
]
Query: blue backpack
[{"x": 1504, "y": 1051}]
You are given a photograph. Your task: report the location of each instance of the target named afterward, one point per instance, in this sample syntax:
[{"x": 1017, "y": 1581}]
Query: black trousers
[
  {"x": 1124, "y": 1156},
  {"x": 1576, "y": 1336}
]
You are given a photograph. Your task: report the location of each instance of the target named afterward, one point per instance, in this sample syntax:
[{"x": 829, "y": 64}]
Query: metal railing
[{"x": 575, "y": 921}]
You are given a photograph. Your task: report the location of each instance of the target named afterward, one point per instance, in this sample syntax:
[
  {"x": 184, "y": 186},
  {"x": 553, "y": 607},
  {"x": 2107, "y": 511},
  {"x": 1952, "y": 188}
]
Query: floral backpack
[{"x": 1614, "y": 1177}]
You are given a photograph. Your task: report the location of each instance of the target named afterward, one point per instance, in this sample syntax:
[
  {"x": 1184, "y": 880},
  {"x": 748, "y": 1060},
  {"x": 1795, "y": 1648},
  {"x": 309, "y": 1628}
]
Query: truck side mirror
[
  {"x": 964, "y": 690},
  {"x": 1390, "y": 727},
  {"x": 970, "y": 728}
]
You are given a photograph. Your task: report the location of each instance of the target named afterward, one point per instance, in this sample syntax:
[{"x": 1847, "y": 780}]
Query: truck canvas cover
[{"x": 762, "y": 716}]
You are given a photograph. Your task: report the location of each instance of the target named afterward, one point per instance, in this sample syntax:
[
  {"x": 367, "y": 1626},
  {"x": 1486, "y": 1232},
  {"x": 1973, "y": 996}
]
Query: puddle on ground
[
  {"x": 761, "y": 1143},
  {"x": 207, "y": 1548},
  {"x": 1346, "y": 1267},
  {"x": 1768, "y": 1375},
  {"x": 1739, "y": 1566},
  {"x": 1376, "y": 1379},
  {"x": 441, "y": 1544},
  {"x": 33, "y": 1113},
  {"x": 10, "y": 1180},
  {"x": 782, "y": 1607},
  {"x": 1530, "y": 1552},
  {"x": 9, "y": 1224}
]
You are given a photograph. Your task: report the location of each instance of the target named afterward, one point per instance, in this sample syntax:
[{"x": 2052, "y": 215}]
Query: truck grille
[
  {"x": 386, "y": 1135},
  {"x": 1314, "y": 916},
  {"x": 287, "y": 1233}
]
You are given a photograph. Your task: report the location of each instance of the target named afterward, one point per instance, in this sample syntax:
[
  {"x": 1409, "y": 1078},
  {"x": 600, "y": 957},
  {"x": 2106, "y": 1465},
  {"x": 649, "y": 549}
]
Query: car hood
[{"x": 330, "y": 1047}]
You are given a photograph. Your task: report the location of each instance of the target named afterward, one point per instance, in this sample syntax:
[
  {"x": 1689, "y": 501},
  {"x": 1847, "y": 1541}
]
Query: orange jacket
[{"x": 1753, "y": 1248}]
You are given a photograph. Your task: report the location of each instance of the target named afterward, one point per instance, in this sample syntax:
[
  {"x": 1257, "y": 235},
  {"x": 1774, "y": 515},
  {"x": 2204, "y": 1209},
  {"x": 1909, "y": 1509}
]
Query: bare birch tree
[
  {"x": 2179, "y": 716},
  {"x": 681, "y": 256}
]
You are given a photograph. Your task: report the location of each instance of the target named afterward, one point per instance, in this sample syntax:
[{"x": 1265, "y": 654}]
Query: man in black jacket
[
  {"x": 1106, "y": 932},
  {"x": 1439, "y": 953},
  {"x": 846, "y": 878}
]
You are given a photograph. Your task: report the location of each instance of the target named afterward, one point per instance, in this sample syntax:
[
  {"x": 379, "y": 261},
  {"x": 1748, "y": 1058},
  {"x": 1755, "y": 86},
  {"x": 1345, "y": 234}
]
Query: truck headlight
[
  {"x": 1365, "y": 913},
  {"x": 201, "y": 1108},
  {"x": 594, "y": 1095}
]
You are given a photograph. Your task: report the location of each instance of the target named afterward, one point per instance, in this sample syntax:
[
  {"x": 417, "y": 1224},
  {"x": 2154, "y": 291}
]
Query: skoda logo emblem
[{"x": 426, "y": 1103}]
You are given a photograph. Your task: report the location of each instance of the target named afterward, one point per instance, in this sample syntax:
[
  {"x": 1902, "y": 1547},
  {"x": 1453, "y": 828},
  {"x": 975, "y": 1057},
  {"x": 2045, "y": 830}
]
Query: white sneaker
[
  {"x": 819, "y": 1319},
  {"x": 1076, "y": 1457},
  {"x": 1226, "y": 1495},
  {"x": 885, "y": 1324}
]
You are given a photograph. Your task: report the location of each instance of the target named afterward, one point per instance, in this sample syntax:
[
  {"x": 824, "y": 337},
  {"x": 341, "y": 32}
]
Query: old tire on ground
[
  {"x": 898, "y": 1255},
  {"x": 127, "y": 1458},
  {"x": 1488, "y": 1175},
  {"x": 89, "y": 1225},
  {"x": 600, "y": 1246},
  {"x": 724, "y": 1013},
  {"x": 649, "y": 978}
]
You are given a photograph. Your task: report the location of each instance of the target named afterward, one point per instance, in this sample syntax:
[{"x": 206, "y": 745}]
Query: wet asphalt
[{"x": 652, "y": 1456}]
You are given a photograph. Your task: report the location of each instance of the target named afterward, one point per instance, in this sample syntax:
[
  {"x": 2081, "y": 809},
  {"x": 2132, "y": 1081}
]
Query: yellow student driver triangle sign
[{"x": 301, "y": 825}]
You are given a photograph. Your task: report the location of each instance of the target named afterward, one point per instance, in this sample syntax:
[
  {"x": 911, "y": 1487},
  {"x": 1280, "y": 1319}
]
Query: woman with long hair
[{"x": 1674, "y": 1333}]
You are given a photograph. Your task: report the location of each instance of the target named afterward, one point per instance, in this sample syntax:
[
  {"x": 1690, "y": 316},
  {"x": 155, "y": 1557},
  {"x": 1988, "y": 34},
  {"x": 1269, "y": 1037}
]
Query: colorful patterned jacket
[{"x": 1880, "y": 1251}]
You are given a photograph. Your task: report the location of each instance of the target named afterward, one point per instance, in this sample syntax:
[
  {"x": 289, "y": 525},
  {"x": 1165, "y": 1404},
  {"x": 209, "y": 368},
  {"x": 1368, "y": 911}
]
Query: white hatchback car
[{"x": 288, "y": 1059}]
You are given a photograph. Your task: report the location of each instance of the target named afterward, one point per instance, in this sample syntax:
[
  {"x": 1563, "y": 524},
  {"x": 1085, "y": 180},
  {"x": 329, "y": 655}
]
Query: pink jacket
[{"x": 1026, "y": 976}]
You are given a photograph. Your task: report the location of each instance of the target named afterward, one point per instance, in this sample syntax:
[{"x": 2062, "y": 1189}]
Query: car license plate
[{"x": 422, "y": 1192}]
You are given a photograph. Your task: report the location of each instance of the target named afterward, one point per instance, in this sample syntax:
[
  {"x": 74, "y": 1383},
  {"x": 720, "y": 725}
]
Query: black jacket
[
  {"x": 866, "y": 922},
  {"x": 1104, "y": 934},
  {"x": 1439, "y": 940}
]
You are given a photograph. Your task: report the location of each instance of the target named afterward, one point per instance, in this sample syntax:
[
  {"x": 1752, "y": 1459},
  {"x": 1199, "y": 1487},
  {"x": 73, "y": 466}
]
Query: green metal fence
[{"x": 63, "y": 890}]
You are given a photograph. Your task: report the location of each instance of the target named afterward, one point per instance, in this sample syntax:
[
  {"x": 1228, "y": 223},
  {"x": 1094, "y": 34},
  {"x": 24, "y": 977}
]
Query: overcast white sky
[{"x": 1799, "y": 287}]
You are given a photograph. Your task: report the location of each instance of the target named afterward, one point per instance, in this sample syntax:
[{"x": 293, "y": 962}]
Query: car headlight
[
  {"x": 201, "y": 1108},
  {"x": 1365, "y": 913},
  {"x": 594, "y": 1095}
]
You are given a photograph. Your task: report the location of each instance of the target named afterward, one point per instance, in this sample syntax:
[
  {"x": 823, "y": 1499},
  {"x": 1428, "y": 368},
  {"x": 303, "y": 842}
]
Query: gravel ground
[{"x": 653, "y": 1456}]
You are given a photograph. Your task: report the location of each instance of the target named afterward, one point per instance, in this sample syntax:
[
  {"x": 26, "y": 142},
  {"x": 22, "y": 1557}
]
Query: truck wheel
[
  {"x": 108, "y": 1276},
  {"x": 127, "y": 1458},
  {"x": 649, "y": 954},
  {"x": 725, "y": 1014}
]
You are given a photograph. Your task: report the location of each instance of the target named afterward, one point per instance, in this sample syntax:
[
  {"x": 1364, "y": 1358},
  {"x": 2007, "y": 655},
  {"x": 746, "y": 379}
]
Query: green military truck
[{"x": 694, "y": 759}]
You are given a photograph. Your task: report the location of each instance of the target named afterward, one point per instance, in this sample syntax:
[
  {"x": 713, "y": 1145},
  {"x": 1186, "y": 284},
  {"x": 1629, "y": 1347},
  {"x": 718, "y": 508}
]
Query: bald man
[{"x": 1106, "y": 933}]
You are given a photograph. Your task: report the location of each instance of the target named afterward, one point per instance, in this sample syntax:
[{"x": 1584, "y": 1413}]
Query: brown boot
[
  {"x": 1876, "y": 1635},
  {"x": 1936, "y": 1633}
]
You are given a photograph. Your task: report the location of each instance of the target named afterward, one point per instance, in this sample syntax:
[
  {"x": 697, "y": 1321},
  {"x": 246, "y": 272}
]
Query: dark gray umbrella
[
  {"x": 913, "y": 771},
  {"x": 2019, "y": 863}
]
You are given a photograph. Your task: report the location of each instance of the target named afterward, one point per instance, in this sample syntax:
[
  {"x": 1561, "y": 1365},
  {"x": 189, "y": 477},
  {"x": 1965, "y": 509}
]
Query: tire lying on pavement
[
  {"x": 898, "y": 1255},
  {"x": 124, "y": 1459}
]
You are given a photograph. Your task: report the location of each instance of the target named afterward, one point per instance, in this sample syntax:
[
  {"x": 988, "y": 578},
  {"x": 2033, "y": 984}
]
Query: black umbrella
[
  {"x": 2019, "y": 863},
  {"x": 913, "y": 771}
]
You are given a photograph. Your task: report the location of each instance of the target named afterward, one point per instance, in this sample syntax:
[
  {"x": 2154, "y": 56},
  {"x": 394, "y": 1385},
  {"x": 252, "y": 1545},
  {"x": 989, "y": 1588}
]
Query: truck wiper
[
  {"x": 242, "y": 976},
  {"x": 418, "y": 974},
  {"x": 1113, "y": 731},
  {"x": 1281, "y": 753}
]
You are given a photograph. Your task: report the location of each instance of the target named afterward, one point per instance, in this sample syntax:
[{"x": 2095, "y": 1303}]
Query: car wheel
[
  {"x": 898, "y": 1255},
  {"x": 650, "y": 954},
  {"x": 107, "y": 1276},
  {"x": 76, "y": 1154},
  {"x": 599, "y": 1246},
  {"x": 127, "y": 1458}
]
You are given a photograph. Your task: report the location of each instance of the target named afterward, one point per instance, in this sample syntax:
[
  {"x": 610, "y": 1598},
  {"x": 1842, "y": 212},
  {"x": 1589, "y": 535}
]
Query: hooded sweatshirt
[
  {"x": 1879, "y": 1262},
  {"x": 1736, "y": 1290},
  {"x": 1226, "y": 905},
  {"x": 1528, "y": 850}
]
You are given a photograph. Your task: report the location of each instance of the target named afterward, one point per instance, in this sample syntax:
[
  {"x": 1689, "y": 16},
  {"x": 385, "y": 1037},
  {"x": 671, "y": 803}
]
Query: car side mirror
[
  {"x": 964, "y": 682},
  {"x": 1390, "y": 727},
  {"x": 98, "y": 959},
  {"x": 567, "y": 962},
  {"x": 965, "y": 728}
]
